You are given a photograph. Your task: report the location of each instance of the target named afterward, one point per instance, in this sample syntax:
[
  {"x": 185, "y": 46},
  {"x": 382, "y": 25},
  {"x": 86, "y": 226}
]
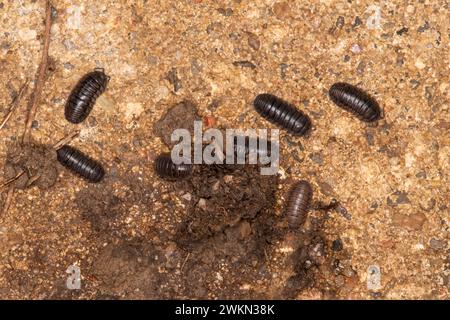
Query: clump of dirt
[
  {"x": 32, "y": 165},
  {"x": 180, "y": 116},
  {"x": 222, "y": 196}
]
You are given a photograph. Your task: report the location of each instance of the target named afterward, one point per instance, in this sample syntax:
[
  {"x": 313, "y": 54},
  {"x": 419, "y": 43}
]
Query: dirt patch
[
  {"x": 105, "y": 205},
  {"x": 225, "y": 247},
  {"x": 180, "y": 116},
  {"x": 221, "y": 196},
  {"x": 129, "y": 269},
  {"x": 32, "y": 164}
]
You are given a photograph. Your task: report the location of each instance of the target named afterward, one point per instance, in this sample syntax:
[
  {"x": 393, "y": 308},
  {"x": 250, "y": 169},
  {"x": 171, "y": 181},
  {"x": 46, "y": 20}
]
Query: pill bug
[
  {"x": 165, "y": 168},
  {"x": 242, "y": 147},
  {"x": 298, "y": 203},
  {"x": 355, "y": 101},
  {"x": 282, "y": 114},
  {"x": 84, "y": 94},
  {"x": 80, "y": 163}
]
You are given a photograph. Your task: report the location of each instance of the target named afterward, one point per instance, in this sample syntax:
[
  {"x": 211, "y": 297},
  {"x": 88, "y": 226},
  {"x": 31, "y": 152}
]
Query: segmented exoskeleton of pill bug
[
  {"x": 84, "y": 94},
  {"x": 282, "y": 114},
  {"x": 80, "y": 163},
  {"x": 166, "y": 168},
  {"x": 355, "y": 101},
  {"x": 242, "y": 146},
  {"x": 298, "y": 204}
]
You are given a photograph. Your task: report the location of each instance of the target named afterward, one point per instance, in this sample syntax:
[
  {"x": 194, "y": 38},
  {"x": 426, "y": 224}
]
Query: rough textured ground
[{"x": 137, "y": 236}]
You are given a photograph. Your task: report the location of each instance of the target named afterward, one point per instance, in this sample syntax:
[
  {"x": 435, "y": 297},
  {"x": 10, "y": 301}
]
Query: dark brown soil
[
  {"x": 38, "y": 162},
  {"x": 223, "y": 243}
]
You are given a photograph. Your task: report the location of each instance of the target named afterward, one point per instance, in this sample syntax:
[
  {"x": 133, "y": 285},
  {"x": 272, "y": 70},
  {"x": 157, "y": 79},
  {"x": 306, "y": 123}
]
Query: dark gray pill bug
[
  {"x": 166, "y": 168},
  {"x": 84, "y": 94},
  {"x": 282, "y": 114},
  {"x": 356, "y": 101},
  {"x": 299, "y": 203},
  {"x": 241, "y": 146},
  {"x": 80, "y": 163}
]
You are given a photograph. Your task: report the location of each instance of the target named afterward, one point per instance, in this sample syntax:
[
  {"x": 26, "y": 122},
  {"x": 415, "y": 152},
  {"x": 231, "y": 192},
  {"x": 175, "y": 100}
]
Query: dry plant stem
[
  {"x": 39, "y": 83},
  {"x": 12, "y": 179},
  {"x": 15, "y": 103},
  {"x": 66, "y": 140},
  {"x": 9, "y": 199},
  {"x": 33, "y": 179},
  {"x": 185, "y": 260}
]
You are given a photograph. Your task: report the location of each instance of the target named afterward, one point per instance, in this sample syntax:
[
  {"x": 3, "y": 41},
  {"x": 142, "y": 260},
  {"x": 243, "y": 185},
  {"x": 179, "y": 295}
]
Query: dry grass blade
[
  {"x": 8, "y": 200},
  {"x": 33, "y": 179},
  {"x": 12, "y": 180},
  {"x": 66, "y": 140},
  {"x": 15, "y": 103},
  {"x": 39, "y": 83}
]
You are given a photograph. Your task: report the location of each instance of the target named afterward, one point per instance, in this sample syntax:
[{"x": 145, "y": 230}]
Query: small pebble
[
  {"x": 437, "y": 244},
  {"x": 355, "y": 48},
  {"x": 316, "y": 157},
  {"x": 281, "y": 10},
  {"x": 340, "y": 22},
  {"x": 337, "y": 245},
  {"x": 187, "y": 196},
  {"x": 253, "y": 41},
  {"x": 339, "y": 281},
  {"x": 402, "y": 31},
  {"x": 202, "y": 204},
  {"x": 225, "y": 12},
  {"x": 348, "y": 272},
  {"x": 357, "y": 22}
]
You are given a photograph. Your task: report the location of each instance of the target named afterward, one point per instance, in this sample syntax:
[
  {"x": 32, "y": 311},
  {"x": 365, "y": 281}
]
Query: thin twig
[
  {"x": 12, "y": 179},
  {"x": 15, "y": 103},
  {"x": 66, "y": 140},
  {"x": 8, "y": 200},
  {"x": 39, "y": 83},
  {"x": 185, "y": 260},
  {"x": 33, "y": 179}
]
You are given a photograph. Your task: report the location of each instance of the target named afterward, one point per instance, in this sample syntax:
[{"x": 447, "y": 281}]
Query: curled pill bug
[
  {"x": 355, "y": 101},
  {"x": 299, "y": 203},
  {"x": 282, "y": 114},
  {"x": 83, "y": 96},
  {"x": 80, "y": 163},
  {"x": 166, "y": 168}
]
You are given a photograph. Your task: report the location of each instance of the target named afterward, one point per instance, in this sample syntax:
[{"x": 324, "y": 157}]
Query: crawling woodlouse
[
  {"x": 355, "y": 101},
  {"x": 282, "y": 114},
  {"x": 166, "y": 168},
  {"x": 298, "y": 203},
  {"x": 83, "y": 96},
  {"x": 80, "y": 163}
]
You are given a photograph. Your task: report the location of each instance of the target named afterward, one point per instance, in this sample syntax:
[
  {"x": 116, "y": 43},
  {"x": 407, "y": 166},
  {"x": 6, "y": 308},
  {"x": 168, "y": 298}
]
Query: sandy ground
[{"x": 128, "y": 235}]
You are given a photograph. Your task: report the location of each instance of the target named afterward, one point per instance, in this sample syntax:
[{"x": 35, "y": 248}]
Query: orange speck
[{"x": 209, "y": 121}]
